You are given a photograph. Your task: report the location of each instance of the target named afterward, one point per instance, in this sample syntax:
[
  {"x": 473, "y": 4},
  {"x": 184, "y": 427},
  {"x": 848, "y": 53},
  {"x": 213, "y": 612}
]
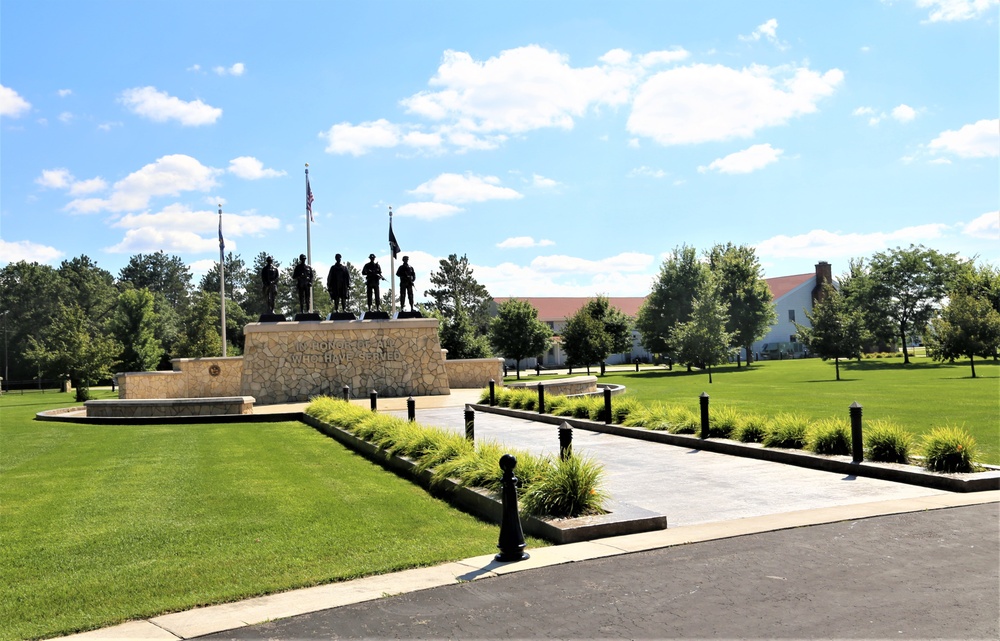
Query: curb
[
  {"x": 909, "y": 474},
  {"x": 621, "y": 519}
]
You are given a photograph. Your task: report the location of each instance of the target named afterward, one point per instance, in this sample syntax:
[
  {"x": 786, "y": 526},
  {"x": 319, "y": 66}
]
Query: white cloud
[
  {"x": 978, "y": 140},
  {"x": 904, "y": 113},
  {"x": 744, "y": 162},
  {"x": 345, "y": 138},
  {"x": 159, "y": 106},
  {"x": 542, "y": 182},
  {"x": 28, "y": 251},
  {"x": 180, "y": 229},
  {"x": 826, "y": 244},
  {"x": 249, "y": 168},
  {"x": 467, "y": 188},
  {"x": 12, "y": 104},
  {"x": 956, "y": 10},
  {"x": 63, "y": 179},
  {"x": 701, "y": 103},
  {"x": 428, "y": 211},
  {"x": 873, "y": 117},
  {"x": 647, "y": 172},
  {"x": 83, "y": 187},
  {"x": 168, "y": 176},
  {"x": 236, "y": 70},
  {"x": 625, "y": 275},
  {"x": 667, "y": 56},
  {"x": 986, "y": 226},
  {"x": 66, "y": 117},
  {"x": 108, "y": 126},
  {"x": 768, "y": 31},
  {"x": 521, "y": 242},
  {"x": 65, "y": 92}
]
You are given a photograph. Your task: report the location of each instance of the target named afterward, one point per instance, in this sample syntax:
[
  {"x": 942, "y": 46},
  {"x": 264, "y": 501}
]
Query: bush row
[
  {"x": 944, "y": 449},
  {"x": 549, "y": 486}
]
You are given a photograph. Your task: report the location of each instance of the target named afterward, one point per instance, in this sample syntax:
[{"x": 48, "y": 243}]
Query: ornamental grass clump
[
  {"x": 830, "y": 436},
  {"x": 566, "y": 487},
  {"x": 651, "y": 417},
  {"x": 504, "y": 396},
  {"x": 722, "y": 422},
  {"x": 887, "y": 442},
  {"x": 681, "y": 420},
  {"x": 750, "y": 428},
  {"x": 623, "y": 406},
  {"x": 554, "y": 403},
  {"x": 949, "y": 449},
  {"x": 587, "y": 407},
  {"x": 787, "y": 430}
]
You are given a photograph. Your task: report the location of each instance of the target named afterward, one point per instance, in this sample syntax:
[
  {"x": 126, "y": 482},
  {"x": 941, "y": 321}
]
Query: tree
[
  {"x": 255, "y": 300},
  {"x": 681, "y": 276},
  {"x": 968, "y": 326},
  {"x": 70, "y": 345},
  {"x": 90, "y": 287},
  {"x": 239, "y": 283},
  {"x": 455, "y": 285},
  {"x": 703, "y": 341},
  {"x": 30, "y": 294},
  {"x": 516, "y": 333},
  {"x": 743, "y": 289},
  {"x": 133, "y": 325},
  {"x": 202, "y": 335},
  {"x": 459, "y": 337},
  {"x": 584, "y": 340},
  {"x": 595, "y": 332},
  {"x": 910, "y": 284},
  {"x": 837, "y": 330},
  {"x": 159, "y": 273},
  {"x": 861, "y": 293}
]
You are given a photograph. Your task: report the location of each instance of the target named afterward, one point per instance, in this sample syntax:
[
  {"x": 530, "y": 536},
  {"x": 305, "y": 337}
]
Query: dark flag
[
  {"x": 393, "y": 245},
  {"x": 309, "y": 199},
  {"x": 222, "y": 243}
]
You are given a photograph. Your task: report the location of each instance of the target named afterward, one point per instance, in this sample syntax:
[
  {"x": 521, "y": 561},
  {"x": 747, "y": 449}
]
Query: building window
[
  {"x": 791, "y": 315},
  {"x": 792, "y": 339}
]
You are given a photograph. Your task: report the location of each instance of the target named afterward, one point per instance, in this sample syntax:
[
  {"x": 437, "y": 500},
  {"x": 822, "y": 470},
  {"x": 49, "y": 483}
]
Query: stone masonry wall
[
  {"x": 474, "y": 372},
  {"x": 290, "y": 362},
  {"x": 190, "y": 378}
]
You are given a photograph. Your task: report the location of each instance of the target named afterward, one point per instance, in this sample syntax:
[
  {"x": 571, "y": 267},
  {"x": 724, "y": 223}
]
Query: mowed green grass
[
  {"x": 101, "y": 524},
  {"x": 918, "y": 397}
]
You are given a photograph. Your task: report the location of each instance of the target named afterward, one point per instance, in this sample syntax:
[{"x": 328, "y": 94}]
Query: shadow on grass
[{"x": 832, "y": 380}]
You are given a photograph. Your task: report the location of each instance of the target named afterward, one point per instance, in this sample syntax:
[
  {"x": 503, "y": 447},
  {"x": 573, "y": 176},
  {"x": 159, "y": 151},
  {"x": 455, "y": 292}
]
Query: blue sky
[{"x": 565, "y": 147}]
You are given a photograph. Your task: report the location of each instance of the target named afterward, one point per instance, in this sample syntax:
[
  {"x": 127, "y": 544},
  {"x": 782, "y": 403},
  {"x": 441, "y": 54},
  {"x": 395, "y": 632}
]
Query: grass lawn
[
  {"x": 918, "y": 397},
  {"x": 101, "y": 524}
]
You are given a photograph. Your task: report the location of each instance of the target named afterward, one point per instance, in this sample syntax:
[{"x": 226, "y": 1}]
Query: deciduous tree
[
  {"x": 837, "y": 330},
  {"x": 702, "y": 340},
  {"x": 133, "y": 325},
  {"x": 968, "y": 326},
  {"x": 744, "y": 290},
  {"x": 516, "y": 333},
  {"x": 681, "y": 276}
]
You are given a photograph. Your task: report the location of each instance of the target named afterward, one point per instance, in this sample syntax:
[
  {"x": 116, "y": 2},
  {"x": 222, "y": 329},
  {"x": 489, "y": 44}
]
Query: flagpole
[
  {"x": 392, "y": 269},
  {"x": 222, "y": 281},
  {"x": 309, "y": 256}
]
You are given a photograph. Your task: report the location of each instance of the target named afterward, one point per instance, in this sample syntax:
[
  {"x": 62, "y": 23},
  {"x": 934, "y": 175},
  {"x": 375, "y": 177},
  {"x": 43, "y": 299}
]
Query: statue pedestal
[
  {"x": 290, "y": 362},
  {"x": 272, "y": 318}
]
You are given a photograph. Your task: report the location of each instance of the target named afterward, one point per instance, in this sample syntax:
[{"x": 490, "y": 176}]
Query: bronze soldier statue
[
  {"x": 338, "y": 283},
  {"x": 372, "y": 272},
  {"x": 269, "y": 279},
  {"x": 303, "y": 275},
  {"x": 406, "y": 279}
]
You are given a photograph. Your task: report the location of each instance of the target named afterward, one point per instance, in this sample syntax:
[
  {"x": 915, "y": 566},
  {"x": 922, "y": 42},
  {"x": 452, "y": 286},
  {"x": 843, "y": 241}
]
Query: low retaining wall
[
  {"x": 622, "y": 518},
  {"x": 560, "y": 386},
  {"x": 474, "y": 372},
  {"x": 974, "y": 482},
  {"x": 190, "y": 378},
  {"x": 169, "y": 407}
]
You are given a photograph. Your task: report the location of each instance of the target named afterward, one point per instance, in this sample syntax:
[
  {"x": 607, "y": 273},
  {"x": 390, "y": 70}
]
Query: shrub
[
  {"x": 504, "y": 396},
  {"x": 484, "y": 396},
  {"x": 622, "y": 407},
  {"x": 887, "y": 442},
  {"x": 830, "y": 436},
  {"x": 750, "y": 428},
  {"x": 448, "y": 446},
  {"x": 787, "y": 430},
  {"x": 553, "y": 403},
  {"x": 582, "y": 406},
  {"x": 681, "y": 420},
  {"x": 949, "y": 449},
  {"x": 565, "y": 488},
  {"x": 722, "y": 422}
]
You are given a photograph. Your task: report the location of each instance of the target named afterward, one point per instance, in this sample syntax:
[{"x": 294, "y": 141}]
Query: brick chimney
[{"x": 824, "y": 274}]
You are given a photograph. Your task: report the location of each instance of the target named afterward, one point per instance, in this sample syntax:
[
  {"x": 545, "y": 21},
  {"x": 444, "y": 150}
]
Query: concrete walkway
[{"x": 707, "y": 498}]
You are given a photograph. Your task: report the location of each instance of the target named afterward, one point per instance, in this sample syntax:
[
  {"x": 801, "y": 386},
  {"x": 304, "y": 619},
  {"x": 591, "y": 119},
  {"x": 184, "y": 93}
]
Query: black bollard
[
  {"x": 607, "y": 406},
  {"x": 373, "y": 397},
  {"x": 493, "y": 393},
  {"x": 538, "y": 368},
  {"x": 511, "y": 544},
  {"x": 637, "y": 364},
  {"x": 411, "y": 409},
  {"x": 470, "y": 423},
  {"x": 565, "y": 441},
  {"x": 602, "y": 367},
  {"x": 704, "y": 414},
  {"x": 347, "y": 392},
  {"x": 541, "y": 399},
  {"x": 857, "y": 441}
]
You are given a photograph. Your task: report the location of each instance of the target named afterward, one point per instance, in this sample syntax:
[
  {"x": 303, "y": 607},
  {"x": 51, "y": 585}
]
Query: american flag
[{"x": 309, "y": 201}]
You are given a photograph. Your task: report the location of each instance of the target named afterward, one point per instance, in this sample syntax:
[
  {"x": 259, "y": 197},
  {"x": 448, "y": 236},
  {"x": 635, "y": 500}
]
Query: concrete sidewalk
[{"x": 706, "y": 497}]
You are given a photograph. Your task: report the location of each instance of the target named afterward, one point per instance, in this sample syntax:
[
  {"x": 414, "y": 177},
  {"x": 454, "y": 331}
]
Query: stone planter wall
[
  {"x": 190, "y": 378},
  {"x": 474, "y": 372}
]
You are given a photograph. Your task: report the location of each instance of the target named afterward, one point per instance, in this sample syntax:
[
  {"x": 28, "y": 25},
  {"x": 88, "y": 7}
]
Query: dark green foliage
[
  {"x": 133, "y": 324},
  {"x": 836, "y": 330},
  {"x": 968, "y": 326},
  {"x": 159, "y": 273},
  {"x": 455, "y": 286},
  {"x": 742, "y": 288},
  {"x": 459, "y": 337},
  {"x": 516, "y": 333},
  {"x": 681, "y": 276}
]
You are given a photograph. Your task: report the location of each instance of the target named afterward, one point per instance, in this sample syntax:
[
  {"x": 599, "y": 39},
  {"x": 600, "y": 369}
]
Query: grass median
[
  {"x": 105, "y": 523},
  {"x": 919, "y": 397}
]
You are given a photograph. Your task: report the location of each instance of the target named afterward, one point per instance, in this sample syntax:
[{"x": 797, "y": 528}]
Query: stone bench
[{"x": 166, "y": 407}]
